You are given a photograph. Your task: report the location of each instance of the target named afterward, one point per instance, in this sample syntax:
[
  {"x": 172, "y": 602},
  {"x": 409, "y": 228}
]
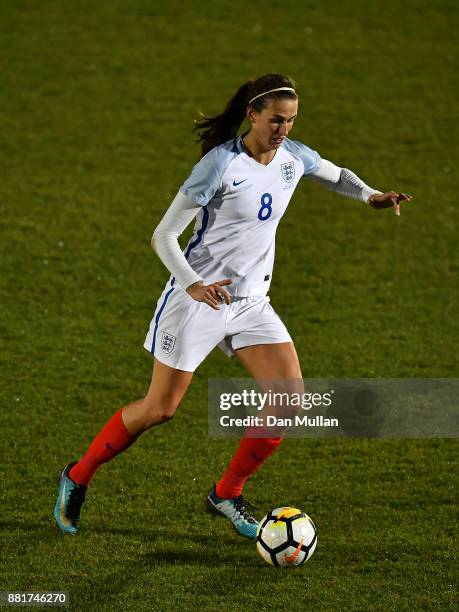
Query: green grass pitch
[{"x": 97, "y": 102}]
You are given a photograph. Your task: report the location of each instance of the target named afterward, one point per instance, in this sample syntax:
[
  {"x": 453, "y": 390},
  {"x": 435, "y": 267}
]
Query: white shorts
[{"x": 183, "y": 331}]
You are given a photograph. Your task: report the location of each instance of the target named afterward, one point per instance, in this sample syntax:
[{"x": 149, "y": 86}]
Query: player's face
[{"x": 271, "y": 126}]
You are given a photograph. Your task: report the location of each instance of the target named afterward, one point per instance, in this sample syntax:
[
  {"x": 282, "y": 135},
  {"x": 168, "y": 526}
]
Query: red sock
[
  {"x": 113, "y": 439},
  {"x": 252, "y": 452}
]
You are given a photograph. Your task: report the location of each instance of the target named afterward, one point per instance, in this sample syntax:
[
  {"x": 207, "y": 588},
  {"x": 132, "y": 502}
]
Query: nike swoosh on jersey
[{"x": 235, "y": 184}]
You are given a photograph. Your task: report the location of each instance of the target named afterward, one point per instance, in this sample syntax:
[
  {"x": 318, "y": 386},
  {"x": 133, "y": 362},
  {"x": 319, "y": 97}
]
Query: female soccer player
[{"x": 217, "y": 293}]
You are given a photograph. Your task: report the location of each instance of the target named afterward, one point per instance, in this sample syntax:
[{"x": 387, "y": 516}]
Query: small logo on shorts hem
[{"x": 168, "y": 342}]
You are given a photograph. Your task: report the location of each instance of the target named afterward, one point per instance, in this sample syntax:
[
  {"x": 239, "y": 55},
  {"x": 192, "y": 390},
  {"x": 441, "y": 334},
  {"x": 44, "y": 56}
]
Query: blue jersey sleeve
[
  {"x": 310, "y": 158},
  {"x": 206, "y": 176}
]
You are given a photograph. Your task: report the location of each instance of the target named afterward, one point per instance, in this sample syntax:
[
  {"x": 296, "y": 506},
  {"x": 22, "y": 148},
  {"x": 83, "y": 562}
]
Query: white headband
[{"x": 271, "y": 91}]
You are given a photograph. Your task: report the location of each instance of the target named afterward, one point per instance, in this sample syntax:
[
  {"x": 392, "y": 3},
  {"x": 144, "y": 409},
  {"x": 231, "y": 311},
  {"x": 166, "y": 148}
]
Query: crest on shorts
[
  {"x": 168, "y": 342},
  {"x": 288, "y": 171}
]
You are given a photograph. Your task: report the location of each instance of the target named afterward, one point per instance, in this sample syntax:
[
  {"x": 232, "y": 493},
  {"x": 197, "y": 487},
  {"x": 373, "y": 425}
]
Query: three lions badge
[
  {"x": 288, "y": 171},
  {"x": 168, "y": 342}
]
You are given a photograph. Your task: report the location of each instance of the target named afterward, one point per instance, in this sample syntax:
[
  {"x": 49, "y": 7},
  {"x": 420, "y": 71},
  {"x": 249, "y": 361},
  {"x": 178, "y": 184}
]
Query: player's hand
[
  {"x": 212, "y": 295},
  {"x": 391, "y": 199}
]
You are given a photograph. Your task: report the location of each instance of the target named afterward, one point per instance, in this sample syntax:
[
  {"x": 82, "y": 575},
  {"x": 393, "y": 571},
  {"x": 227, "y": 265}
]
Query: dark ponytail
[{"x": 213, "y": 131}]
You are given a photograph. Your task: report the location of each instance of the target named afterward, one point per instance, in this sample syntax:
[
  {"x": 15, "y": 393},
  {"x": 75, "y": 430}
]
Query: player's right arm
[
  {"x": 195, "y": 193},
  {"x": 179, "y": 215}
]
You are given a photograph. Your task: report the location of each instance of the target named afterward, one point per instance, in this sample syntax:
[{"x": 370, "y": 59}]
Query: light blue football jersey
[{"x": 242, "y": 203}]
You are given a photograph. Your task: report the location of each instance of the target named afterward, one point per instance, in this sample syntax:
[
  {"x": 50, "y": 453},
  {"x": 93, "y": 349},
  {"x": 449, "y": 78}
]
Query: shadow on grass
[
  {"x": 179, "y": 557},
  {"x": 215, "y": 566},
  {"x": 166, "y": 564},
  {"x": 46, "y": 529},
  {"x": 177, "y": 541},
  {"x": 210, "y": 557},
  {"x": 22, "y": 526}
]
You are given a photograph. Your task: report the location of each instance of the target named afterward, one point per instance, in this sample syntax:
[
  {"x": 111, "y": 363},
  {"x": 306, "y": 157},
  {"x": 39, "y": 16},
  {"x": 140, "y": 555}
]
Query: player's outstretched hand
[
  {"x": 391, "y": 199},
  {"x": 212, "y": 295}
]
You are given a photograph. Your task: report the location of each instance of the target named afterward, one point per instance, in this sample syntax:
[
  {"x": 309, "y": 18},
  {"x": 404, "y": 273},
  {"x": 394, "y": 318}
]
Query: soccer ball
[{"x": 286, "y": 537}]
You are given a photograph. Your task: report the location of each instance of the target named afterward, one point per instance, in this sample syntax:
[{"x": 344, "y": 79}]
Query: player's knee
[
  {"x": 166, "y": 414},
  {"x": 291, "y": 392},
  {"x": 161, "y": 409}
]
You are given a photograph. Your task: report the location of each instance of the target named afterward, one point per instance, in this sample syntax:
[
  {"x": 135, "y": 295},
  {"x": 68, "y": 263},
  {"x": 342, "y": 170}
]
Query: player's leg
[
  {"x": 272, "y": 364},
  {"x": 268, "y": 363},
  {"x": 271, "y": 361},
  {"x": 164, "y": 395},
  {"x": 167, "y": 388}
]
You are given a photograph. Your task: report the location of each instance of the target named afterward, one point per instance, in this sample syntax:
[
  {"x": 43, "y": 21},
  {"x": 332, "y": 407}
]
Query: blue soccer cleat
[
  {"x": 235, "y": 510},
  {"x": 69, "y": 501}
]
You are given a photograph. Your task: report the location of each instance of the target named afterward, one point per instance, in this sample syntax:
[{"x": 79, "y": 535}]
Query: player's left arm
[{"x": 345, "y": 182}]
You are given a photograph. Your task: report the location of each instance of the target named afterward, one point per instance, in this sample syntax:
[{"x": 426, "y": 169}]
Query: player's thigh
[
  {"x": 166, "y": 391},
  {"x": 271, "y": 361},
  {"x": 167, "y": 387},
  {"x": 276, "y": 368}
]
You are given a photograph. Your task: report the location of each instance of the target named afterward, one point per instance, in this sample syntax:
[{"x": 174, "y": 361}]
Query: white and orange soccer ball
[{"x": 286, "y": 537}]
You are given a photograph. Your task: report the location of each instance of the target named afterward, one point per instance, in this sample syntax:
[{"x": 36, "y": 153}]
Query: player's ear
[{"x": 250, "y": 114}]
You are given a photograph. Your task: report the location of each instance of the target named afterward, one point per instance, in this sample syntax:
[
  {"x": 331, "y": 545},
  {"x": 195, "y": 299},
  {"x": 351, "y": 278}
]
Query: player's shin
[
  {"x": 113, "y": 439},
  {"x": 250, "y": 455}
]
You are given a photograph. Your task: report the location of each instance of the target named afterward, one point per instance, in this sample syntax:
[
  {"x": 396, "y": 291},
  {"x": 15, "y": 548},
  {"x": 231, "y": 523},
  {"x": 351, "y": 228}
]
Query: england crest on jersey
[
  {"x": 168, "y": 342},
  {"x": 288, "y": 171}
]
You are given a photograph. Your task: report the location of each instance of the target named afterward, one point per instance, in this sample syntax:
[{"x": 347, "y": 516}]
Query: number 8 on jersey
[{"x": 266, "y": 209}]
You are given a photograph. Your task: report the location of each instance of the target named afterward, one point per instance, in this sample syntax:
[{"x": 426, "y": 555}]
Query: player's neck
[{"x": 254, "y": 149}]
